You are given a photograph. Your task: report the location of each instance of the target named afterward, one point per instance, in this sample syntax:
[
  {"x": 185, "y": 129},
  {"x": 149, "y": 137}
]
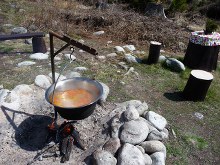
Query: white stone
[
  {"x": 142, "y": 108},
  {"x": 112, "y": 145},
  {"x": 56, "y": 76},
  {"x": 131, "y": 59},
  {"x": 175, "y": 64},
  {"x": 129, "y": 48},
  {"x": 105, "y": 92},
  {"x": 148, "y": 160},
  {"x": 98, "y": 33},
  {"x": 101, "y": 57},
  {"x": 131, "y": 113},
  {"x": 57, "y": 58},
  {"x": 81, "y": 51},
  {"x": 156, "y": 135},
  {"x": 158, "y": 158},
  {"x": 157, "y": 120},
  {"x": 162, "y": 58},
  {"x": 26, "y": 63},
  {"x": 3, "y": 94},
  {"x": 119, "y": 49},
  {"x": 134, "y": 132},
  {"x": 18, "y": 30},
  {"x": 130, "y": 155},
  {"x": 81, "y": 41},
  {"x": 153, "y": 146},
  {"x": 23, "y": 90},
  {"x": 73, "y": 74},
  {"x": 102, "y": 157},
  {"x": 12, "y": 101},
  {"x": 42, "y": 81},
  {"x": 111, "y": 55},
  {"x": 198, "y": 115},
  {"x": 39, "y": 56},
  {"x": 80, "y": 69},
  {"x": 70, "y": 56},
  {"x": 135, "y": 103}
]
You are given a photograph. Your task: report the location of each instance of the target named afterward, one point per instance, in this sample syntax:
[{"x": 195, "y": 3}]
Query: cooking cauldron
[{"x": 76, "y": 113}]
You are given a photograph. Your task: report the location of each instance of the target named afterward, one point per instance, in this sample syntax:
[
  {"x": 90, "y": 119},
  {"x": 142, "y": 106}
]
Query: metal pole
[{"x": 52, "y": 57}]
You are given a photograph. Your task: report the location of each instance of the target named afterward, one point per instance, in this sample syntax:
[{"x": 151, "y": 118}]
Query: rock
[
  {"x": 131, "y": 113},
  {"x": 175, "y": 65},
  {"x": 162, "y": 59},
  {"x": 182, "y": 46},
  {"x": 112, "y": 145},
  {"x": 157, "y": 120},
  {"x": 105, "y": 92},
  {"x": 42, "y": 81},
  {"x": 150, "y": 126},
  {"x": 80, "y": 69},
  {"x": 81, "y": 51},
  {"x": 119, "y": 49},
  {"x": 81, "y": 41},
  {"x": 134, "y": 132},
  {"x": 101, "y": 5},
  {"x": 73, "y": 74},
  {"x": 39, "y": 56},
  {"x": 56, "y": 76},
  {"x": 116, "y": 125},
  {"x": 153, "y": 146},
  {"x": 135, "y": 103},
  {"x": 142, "y": 108},
  {"x": 154, "y": 9},
  {"x": 131, "y": 59},
  {"x": 198, "y": 115},
  {"x": 130, "y": 155},
  {"x": 147, "y": 159},
  {"x": 129, "y": 48},
  {"x": 98, "y": 33},
  {"x": 23, "y": 90},
  {"x": 70, "y": 56},
  {"x": 3, "y": 94},
  {"x": 111, "y": 55},
  {"x": 158, "y": 158},
  {"x": 141, "y": 149},
  {"x": 18, "y": 30},
  {"x": 57, "y": 58},
  {"x": 130, "y": 70},
  {"x": 156, "y": 135},
  {"x": 26, "y": 63},
  {"x": 123, "y": 65},
  {"x": 101, "y": 57},
  {"x": 102, "y": 157},
  {"x": 165, "y": 133},
  {"x": 28, "y": 41},
  {"x": 12, "y": 101}
]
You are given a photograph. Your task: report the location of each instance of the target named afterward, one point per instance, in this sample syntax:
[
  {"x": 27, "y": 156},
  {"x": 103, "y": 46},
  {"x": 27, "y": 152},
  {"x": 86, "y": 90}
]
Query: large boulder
[
  {"x": 130, "y": 155},
  {"x": 134, "y": 132},
  {"x": 102, "y": 157},
  {"x": 175, "y": 65},
  {"x": 157, "y": 120}
]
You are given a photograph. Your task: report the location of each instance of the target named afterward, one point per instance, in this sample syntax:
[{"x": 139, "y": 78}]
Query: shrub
[
  {"x": 178, "y": 5},
  {"x": 211, "y": 26}
]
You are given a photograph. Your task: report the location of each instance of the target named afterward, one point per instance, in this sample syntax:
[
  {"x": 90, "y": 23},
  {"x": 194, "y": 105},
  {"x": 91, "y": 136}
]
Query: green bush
[
  {"x": 211, "y": 26},
  {"x": 178, "y": 5}
]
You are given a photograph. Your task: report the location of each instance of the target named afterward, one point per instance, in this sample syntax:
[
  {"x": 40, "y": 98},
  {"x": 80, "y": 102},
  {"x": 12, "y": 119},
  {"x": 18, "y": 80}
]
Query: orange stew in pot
[{"x": 71, "y": 98}]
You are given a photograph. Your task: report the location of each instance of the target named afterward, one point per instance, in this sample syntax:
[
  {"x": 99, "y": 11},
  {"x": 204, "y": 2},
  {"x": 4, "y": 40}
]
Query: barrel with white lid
[{"x": 197, "y": 85}]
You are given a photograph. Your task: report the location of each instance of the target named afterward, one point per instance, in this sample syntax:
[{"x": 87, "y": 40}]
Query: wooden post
[
  {"x": 197, "y": 85},
  {"x": 154, "y": 52},
  {"x": 39, "y": 45}
]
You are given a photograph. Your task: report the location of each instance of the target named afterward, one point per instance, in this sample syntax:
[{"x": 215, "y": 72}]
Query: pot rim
[{"x": 78, "y": 78}]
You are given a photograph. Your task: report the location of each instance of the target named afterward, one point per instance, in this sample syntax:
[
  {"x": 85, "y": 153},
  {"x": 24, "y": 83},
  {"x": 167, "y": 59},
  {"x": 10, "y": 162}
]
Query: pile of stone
[{"x": 136, "y": 137}]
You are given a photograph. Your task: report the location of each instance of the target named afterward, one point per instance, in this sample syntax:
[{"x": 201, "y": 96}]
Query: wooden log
[
  {"x": 39, "y": 45},
  {"x": 197, "y": 85},
  {"x": 154, "y": 52}
]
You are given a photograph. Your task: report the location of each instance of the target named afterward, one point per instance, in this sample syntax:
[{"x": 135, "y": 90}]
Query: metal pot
[{"x": 76, "y": 113}]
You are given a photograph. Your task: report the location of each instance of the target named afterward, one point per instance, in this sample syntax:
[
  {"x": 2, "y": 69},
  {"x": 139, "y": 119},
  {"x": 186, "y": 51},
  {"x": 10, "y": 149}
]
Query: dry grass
[{"x": 125, "y": 26}]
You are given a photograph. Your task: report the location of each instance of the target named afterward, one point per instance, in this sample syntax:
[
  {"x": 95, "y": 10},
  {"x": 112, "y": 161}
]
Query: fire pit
[{"x": 66, "y": 90}]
